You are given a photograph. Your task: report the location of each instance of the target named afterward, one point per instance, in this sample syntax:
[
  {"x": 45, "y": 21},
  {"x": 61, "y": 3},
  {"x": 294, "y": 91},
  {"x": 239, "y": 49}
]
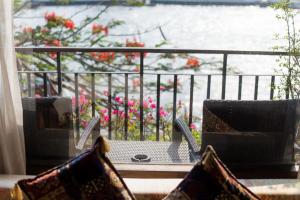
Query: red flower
[
  {"x": 28, "y": 30},
  {"x": 192, "y": 62},
  {"x": 56, "y": 43},
  {"x": 106, "y": 56},
  {"x": 69, "y": 24},
  {"x": 53, "y": 55},
  {"x": 50, "y": 16},
  {"x": 133, "y": 43},
  {"x": 98, "y": 28}
]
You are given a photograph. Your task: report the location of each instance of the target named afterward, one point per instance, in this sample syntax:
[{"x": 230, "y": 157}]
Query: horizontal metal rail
[
  {"x": 45, "y": 75},
  {"x": 144, "y": 50}
]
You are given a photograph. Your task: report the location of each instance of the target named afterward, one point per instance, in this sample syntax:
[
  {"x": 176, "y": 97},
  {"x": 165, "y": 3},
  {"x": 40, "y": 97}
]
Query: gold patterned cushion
[
  {"x": 210, "y": 180},
  {"x": 89, "y": 176}
]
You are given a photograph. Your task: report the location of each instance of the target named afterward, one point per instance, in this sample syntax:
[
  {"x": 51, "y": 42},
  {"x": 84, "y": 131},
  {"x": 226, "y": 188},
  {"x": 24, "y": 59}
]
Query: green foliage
[
  {"x": 63, "y": 2},
  {"x": 135, "y": 3},
  {"x": 17, "y": 4},
  {"x": 289, "y": 66}
]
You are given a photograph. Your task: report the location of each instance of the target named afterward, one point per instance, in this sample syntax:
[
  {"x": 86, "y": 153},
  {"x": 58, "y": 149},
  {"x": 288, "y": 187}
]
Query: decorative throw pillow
[
  {"x": 89, "y": 176},
  {"x": 210, "y": 180}
]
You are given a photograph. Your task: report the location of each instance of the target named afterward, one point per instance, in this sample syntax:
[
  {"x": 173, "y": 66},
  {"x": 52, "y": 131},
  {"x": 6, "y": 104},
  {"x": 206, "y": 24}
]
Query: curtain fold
[{"x": 12, "y": 147}]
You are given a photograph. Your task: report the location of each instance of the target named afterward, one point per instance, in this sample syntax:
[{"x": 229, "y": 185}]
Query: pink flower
[
  {"x": 132, "y": 110},
  {"x": 162, "y": 112},
  {"x": 38, "y": 95},
  {"x": 131, "y": 103},
  {"x": 83, "y": 100},
  {"x": 103, "y": 110},
  {"x": 115, "y": 112},
  {"x": 153, "y": 106},
  {"x": 106, "y": 118},
  {"x": 122, "y": 115},
  {"x": 193, "y": 126},
  {"x": 163, "y": 88},
  {"x": 145, "y": 104},
  {"x": 150, "y": 100},
  {"x": 119, "y": 100},
  {"x": 50, "y": 16}
]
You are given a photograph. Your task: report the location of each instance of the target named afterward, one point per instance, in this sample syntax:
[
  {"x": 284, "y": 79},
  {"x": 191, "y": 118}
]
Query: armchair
[
  {"x": 49, "y": 133},
  {"x": 253, "y": 134}
]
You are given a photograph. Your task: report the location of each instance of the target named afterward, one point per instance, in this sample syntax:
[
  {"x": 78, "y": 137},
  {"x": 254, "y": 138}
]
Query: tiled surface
[{"x": 155, "y": 189}]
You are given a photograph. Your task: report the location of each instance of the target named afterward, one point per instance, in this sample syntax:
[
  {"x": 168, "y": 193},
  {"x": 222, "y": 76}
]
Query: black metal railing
[{"x": 141, "y": 51}]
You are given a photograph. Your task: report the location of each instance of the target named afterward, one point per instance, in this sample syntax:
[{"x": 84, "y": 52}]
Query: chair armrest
[
  {"x": 87, "y": 131},
  {"x": 182, "y": 127}
]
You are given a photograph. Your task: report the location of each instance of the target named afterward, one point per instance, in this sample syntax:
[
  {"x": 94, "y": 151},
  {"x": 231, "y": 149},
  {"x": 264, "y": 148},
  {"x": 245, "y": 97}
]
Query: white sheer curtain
[{"x": 12, "y": 151}]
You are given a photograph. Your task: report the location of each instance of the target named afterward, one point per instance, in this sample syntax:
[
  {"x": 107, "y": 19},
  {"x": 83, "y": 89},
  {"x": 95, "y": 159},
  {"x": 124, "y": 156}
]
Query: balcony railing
[{"x": 141, "y": 51}]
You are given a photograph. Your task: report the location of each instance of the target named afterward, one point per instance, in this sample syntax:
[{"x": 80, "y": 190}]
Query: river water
[{"x": 197, "y": 27}]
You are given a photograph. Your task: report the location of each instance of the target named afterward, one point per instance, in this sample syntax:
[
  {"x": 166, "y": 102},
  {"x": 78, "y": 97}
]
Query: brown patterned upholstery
[
  {"x": 210, "y": 180},
  {"x": 88, "y": 176}
]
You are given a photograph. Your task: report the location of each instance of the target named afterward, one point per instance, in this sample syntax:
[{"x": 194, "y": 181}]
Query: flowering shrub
[
  {"x": 118, "y": 117},
  {"x": 60, "y": 31}
]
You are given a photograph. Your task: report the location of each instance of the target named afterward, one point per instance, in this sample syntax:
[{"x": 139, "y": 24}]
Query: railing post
[
  {"x": 77, "y": 113},
  {"x": 240, "y": 87},
  {"x": 93, "y": 94},
  {"x": 45, "y": 84},
  {"x": 224, "y": 74},
  {"x": 256, "y": 87},
  {"x": 157, "y": 106},
  {"x": 176, "y": 136},
  {"x": 208, "y": 86},
  {"x": 109, "y": 106},
  {"x": 126, "y": 107},
  {"x": 141, "y": 96},
  {"x": 191, "y": 100},
  {"x": 59, "y": 80},
  {"x": 29, "y": 84},
  {"x": 272, "y": 87}
]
